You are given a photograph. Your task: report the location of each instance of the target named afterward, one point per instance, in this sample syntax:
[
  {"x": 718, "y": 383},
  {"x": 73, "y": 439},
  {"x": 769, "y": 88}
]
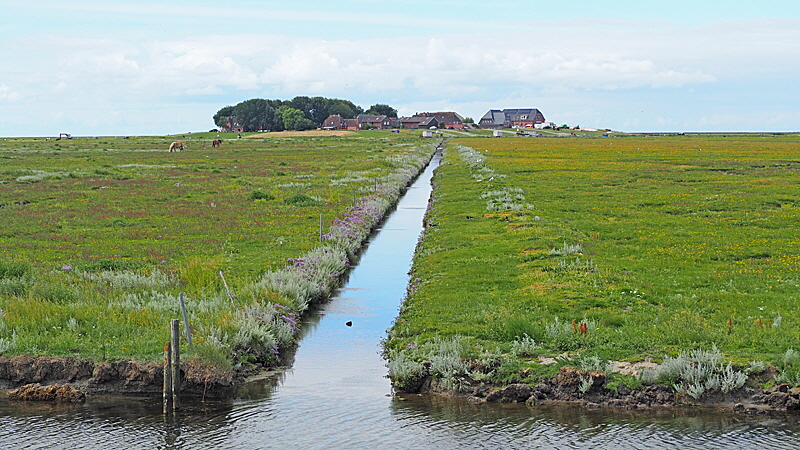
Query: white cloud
[
  {"x": 301, "y": 66},
  {"x": 208, "y": 90},
  {"x": 7, "y": 94},
  {"x": 536, "y": 64}
]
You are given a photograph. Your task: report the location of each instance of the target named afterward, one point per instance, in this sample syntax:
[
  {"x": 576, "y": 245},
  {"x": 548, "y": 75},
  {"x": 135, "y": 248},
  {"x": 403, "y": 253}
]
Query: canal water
[{"x": 336, "y": 395}]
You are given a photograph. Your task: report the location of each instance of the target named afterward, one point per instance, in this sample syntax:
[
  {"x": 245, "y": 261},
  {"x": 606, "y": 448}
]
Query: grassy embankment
[
  {"x": 99, "y": 237},
  {"x": 615, "y": 249}
]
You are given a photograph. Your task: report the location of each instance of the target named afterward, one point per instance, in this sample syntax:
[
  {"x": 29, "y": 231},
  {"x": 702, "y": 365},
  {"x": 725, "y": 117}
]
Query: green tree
[
  {"x": 302, "y": 104},
  {"x": 255, "y": 114},
  {"x": 260, "y": 114},
  {"x": 320, "y": 107},
  {"x": 382, "y": 110},
  {"x": 344, "y": 108},
  {"x": 222, "y": 116},
  {"x": 295, "y": 120}
]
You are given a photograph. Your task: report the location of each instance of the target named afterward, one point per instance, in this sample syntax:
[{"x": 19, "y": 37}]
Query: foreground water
[{"x": 337, "y": 395}]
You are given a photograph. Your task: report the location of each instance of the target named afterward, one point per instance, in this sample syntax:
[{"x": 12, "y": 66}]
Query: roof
[
  {"x": 420, "y": 121},
  {"x": 446, "y": 117},
  {"x": 494, "y": 116},
  {"x": 516, "y": 114},
  {"x": 370, "y": 118}
]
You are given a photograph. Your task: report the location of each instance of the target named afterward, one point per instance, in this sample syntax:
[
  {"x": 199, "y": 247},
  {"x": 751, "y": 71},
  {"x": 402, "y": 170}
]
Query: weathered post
[
  {"x": 176, "y": 363},
  {"x": 167, "y": 376},
  {"x": 186, "y": 323},
  {"x": 227, "y": 289}
]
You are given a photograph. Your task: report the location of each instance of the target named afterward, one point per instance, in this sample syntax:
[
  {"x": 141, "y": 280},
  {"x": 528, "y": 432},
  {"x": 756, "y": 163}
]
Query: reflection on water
[
  {"x": 447, "y": 422},
  {"x": 336, "y": 394},
  {"x": 412, "y": 422}
]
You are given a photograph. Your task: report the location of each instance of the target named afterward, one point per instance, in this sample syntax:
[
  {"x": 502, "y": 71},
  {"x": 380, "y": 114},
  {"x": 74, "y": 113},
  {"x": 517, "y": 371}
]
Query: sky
[{"x": 95, "y": 68}]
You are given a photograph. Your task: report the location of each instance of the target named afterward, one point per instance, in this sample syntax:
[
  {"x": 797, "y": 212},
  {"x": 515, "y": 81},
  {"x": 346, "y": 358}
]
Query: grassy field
[
  {"x": 620, "y": 248},
  {"x": 100, "y": 235}
]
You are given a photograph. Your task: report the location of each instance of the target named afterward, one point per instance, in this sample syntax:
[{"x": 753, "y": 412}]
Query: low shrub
[
  {"x": 15, "y": 286},
  {"x": 14, "y": 269},
  {"x": 699, "y": 372},
  {"x": 301, "y": 200},
  {"x": 261, "y": 195},
  {"x": 55, "y": 292},
  {"x": 110, "y": 265}
]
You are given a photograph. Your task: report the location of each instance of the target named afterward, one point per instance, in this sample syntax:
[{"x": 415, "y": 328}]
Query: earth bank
[
  {"x": 119, "y": 378},
  {"x": 566, "y": 388}
]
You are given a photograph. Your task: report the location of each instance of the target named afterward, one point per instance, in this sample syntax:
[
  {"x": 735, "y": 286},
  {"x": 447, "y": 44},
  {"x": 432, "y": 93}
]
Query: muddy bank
[
  {"x": 567, "y": 387},
  {"x": 119, "y": 378}
]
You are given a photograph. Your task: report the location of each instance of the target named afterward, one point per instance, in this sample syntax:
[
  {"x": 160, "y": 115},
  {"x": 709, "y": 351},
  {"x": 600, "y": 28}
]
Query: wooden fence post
[
  {"x": 176, "y": 363},
  {"x": 167, "y": 376},
  {"x": 186, "y": 323},
  {"x": 227, "y": 289}
]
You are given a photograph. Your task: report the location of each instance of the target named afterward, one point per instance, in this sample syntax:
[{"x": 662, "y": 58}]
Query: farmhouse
[
  {"x": 512, "y": 118},
  {"x": 418, "y": 122},
  {"x": 374, "y": 121},
  {"x": 337, "y": 122},
  {"x": 447, "y": 119},
  {"x": 361, "y": 122}
]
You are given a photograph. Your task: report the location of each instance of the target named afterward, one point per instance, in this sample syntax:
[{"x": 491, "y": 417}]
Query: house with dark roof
[
  {"x": 495, "y": 118},
  {"x": 337, "y": 122},
  {"x": 333, "y": 122},
  {"x": 418, "y": 122},
  {"x": 512, "y": 118},
  {"x": 374, "y": 121},
  {"x": 447, "y": 119}
]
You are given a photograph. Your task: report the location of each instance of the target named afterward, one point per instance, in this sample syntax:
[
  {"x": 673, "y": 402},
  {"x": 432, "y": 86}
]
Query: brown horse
[
  {"x": 176, "y": 146},
  {"x": 216, "y": 143}
]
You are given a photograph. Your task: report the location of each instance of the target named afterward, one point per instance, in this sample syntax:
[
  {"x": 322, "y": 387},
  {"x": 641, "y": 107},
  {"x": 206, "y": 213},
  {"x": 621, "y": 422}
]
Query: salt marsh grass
[
  {"x": 653, "y": 247},
  {"x": 105, "y": 242}
]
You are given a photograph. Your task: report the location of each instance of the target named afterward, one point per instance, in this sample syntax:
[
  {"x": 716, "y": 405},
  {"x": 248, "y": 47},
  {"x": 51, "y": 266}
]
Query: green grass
[
  {"x": 99, "y": 236},
  {"x": 678, "y": 237}
]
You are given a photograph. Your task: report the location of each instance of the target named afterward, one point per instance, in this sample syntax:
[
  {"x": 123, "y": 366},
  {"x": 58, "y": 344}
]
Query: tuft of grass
[
  {"x": 54, "y": 291},
  {"x": 261, "y": 195},
  {"x": 109, "y": 264},
  {"x": 301, "y": 200},
  {"x": 14, "y": 269}
]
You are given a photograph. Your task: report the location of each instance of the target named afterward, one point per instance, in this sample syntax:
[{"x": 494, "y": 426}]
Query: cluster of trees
[{"x": 300, "y": 113}]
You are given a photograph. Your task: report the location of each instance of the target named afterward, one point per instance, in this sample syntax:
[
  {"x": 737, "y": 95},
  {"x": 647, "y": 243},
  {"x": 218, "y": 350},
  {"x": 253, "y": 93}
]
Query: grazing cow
[
  {"x": 176, "y": 146},
  {"x": 216, "y": 143}
]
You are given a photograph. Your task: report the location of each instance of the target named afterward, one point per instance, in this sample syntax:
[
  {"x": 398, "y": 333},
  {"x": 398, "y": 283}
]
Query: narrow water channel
[{"x": 337, "y": 395}]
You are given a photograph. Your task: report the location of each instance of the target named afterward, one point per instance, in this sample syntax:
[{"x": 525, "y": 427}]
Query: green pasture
[
  {"x": 622, "y": 248},
  {"x": 98, "y": 236}
]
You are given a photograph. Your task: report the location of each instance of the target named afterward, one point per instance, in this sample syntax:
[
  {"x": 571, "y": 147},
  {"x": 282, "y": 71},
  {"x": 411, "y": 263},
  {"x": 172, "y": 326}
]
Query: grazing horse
[
  {"x": 176, "y": 146},
  {"x": 216, "y": 143}
]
